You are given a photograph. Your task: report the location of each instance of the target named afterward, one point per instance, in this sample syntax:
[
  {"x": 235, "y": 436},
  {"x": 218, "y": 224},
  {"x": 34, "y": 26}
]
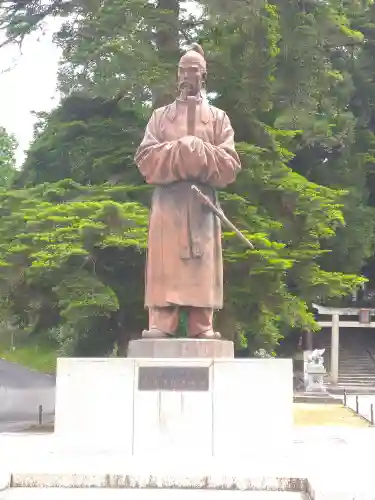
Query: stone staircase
[
  {"x": 356, "y": 359},
  {"x": 356, "y": 368}
]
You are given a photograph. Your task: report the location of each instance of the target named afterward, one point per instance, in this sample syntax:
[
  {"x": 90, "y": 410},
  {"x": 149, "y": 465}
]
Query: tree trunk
[{"x": 167, "y": 40}]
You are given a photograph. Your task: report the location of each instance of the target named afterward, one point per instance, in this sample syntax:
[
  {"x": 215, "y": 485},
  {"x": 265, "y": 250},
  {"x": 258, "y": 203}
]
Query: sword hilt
[{"x": 191, "y": 113}]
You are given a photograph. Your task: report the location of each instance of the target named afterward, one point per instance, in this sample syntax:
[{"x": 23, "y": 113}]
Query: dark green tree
[
  {"x": 8, "y": 146},
  {"x": 281, "y": 72}
]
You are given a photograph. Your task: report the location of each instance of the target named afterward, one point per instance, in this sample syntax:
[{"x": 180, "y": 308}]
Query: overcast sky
[{"x": 29, "y": 86}]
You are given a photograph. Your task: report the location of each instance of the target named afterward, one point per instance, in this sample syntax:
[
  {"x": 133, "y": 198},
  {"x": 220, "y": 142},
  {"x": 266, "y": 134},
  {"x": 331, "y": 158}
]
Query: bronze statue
[{"x": 188, "y": 142}]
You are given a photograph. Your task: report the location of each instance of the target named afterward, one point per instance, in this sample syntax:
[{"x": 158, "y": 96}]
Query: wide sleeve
[
  {"x": 222, "y": 162},
  {"x": 155, "y": 159},
  {"x": 188, "y": 158}
]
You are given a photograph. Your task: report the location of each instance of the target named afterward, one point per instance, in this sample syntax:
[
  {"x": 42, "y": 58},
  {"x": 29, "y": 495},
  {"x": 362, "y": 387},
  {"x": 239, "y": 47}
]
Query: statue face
[{"x": 190, "y": 78}]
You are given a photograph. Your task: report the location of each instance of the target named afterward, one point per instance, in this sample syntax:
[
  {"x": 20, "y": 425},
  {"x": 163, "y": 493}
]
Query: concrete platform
[{"x": 180, "y": 348}]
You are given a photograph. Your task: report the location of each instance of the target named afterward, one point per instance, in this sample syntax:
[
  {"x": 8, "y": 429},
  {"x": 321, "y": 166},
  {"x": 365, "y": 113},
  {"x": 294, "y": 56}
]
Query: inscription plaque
[{"x": 173, "y": 378}]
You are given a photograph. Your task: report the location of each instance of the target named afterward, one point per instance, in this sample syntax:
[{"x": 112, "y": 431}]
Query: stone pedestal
[
  {"x": 180, "y": 348},
  {"x": 175, "y": 407}
]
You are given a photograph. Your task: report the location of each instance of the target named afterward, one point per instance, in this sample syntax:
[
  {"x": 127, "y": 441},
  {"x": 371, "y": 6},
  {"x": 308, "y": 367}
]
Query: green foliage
[
  {"x": 287, "y": 218},
  {"x": 289, "y": 105},
  {"x": 19, "y": 18},
  {"x": 56, "y": 240},
  {"x": 139, "y": 55},
  {"x": 88, "y": 140},
  {"x": 8, "y": 146}
]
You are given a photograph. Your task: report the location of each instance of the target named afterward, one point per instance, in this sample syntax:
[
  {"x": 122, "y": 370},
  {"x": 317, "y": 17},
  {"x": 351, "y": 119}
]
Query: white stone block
[
  {"x": 94, "y": 401},
  {"x": 243, "y": 408},
  {"x": 5, "y": 479},
  {"x": 253, "y": 404}
]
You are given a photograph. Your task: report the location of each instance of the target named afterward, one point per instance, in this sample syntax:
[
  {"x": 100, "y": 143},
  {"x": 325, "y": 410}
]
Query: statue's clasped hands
[
  {"x": 192, "y": 153},
  {"x": 192, "y": 143}
]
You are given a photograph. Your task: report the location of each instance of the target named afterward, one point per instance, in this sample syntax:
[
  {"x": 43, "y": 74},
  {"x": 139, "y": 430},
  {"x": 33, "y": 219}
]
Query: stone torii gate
[{"x": 364, "y": 321}]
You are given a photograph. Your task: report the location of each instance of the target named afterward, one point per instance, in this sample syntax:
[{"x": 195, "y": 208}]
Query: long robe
[{"x": 184, "y": 260}]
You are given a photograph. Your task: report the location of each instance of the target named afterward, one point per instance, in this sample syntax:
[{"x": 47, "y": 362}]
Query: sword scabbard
[{"x": 220, "y": 215}]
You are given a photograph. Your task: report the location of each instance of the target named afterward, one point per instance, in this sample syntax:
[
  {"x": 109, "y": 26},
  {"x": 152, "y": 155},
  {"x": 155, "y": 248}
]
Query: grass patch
[
  {"x": 307, "y": 414},
  {"x": 36, "y": 357}
]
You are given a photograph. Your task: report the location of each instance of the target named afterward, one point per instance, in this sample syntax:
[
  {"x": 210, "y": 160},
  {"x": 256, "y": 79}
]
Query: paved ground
[
  {"x": 15, "y": 376},
  {"x": 21, "y": 393},
  {"x": 313, "y": 451},
  {"x": 101, "y": 494}
]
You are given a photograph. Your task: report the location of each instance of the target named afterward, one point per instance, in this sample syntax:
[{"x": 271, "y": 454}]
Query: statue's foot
[
  {"x": 209, "y": 334},
  {"x": 155, "y": 333}
]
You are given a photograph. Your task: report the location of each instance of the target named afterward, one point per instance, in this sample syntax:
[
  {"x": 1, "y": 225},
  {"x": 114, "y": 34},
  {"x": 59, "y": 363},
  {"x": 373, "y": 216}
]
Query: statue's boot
[
  {"x": 162, "y": 324},
  {"x": 209, "y": 334},
  {"x": 155, "y": 333},
  {"x": 200, "y": 323}
]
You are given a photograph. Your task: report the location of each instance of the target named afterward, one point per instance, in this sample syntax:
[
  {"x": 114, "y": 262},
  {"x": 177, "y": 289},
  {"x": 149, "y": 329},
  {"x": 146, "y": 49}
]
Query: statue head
[
  {"x": 317, "y": 356},
  {"x": 192, "y": 71}
]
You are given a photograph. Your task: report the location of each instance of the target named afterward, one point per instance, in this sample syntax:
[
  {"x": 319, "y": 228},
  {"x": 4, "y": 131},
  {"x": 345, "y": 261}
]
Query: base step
[
  {"x": 122, "y": 494},
  {"x": 339, "y": 389},
  {"x": 314, "y": 398}
]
